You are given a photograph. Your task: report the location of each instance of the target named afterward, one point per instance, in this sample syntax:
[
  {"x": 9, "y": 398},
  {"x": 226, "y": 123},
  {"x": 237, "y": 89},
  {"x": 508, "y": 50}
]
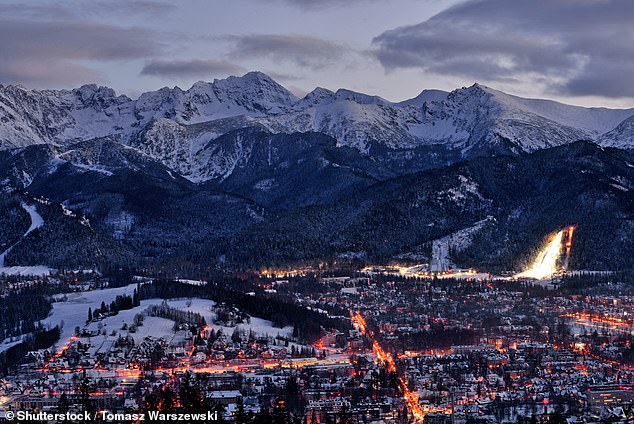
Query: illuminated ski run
[{"x": 553, "y": 258}]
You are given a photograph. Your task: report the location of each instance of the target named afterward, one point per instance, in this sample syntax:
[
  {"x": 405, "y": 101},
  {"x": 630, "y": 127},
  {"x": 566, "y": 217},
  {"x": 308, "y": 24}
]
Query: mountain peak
[
  {"x": 430, "y": 95},
  {"x": 257, "y": 86},
  {"x": 257, "y": 75},
  {"x": 622, "y": 136},
  {"x": 316, "y": 97},
  {"x": 319, "y": 92},
  {"x": 345, "y": 94},
  {"x": 98, "y": 95},
  {"x": 253, "y": 77}
]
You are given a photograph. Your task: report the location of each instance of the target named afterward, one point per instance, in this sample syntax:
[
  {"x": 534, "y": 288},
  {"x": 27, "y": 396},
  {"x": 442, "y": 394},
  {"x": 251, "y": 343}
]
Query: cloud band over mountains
[
  {"x": 301, "y": 50},
  {"x": 38, "y": 52},
  {"x": 194, "y": 68},
  {"x": 576, "y": 47},
  {"x": 562, "y": 49}
]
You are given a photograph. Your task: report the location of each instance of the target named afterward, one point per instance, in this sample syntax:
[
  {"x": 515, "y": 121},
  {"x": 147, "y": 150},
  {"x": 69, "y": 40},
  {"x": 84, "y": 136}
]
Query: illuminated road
[
  {"x": 600, "y": 323},
  {"x": 386, "y": 357}
]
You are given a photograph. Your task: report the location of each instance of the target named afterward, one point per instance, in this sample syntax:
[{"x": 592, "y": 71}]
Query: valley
[{"x": 235, "y": 250}]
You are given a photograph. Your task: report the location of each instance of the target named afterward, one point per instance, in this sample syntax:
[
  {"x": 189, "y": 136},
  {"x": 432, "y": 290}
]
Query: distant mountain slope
[
  {"x": 239, "y": 172},
  {"x": 52, "y": 116},
  {"x": 319, "y": 201},
  {"x": 527, "y": 198},
  {"x": 135, "y": 209},
  {"x": 173, "y": 125},
  {"x": 621, "y": 137}
]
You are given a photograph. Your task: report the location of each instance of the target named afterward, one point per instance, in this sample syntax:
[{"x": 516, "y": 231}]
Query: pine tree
[
  {"x": 87, "y": 403},
  {"x": 235, "y": 336},
  {"x": 191, "y": 397},
  {"x": 167, "y": 399},
  {"x": 63, "y": 405},
  {"x": 241, "y": 416},
  {"x": 280, "y": 414}
]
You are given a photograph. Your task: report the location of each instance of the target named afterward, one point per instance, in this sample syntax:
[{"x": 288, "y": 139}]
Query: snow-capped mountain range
[
  {"x": 240, "y": 172},
  {"x": 179, "y": 128}
]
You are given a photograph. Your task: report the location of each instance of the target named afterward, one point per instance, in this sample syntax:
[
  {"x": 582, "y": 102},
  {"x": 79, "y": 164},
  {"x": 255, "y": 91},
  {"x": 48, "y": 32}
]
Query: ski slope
[{"x": 36, "y": 222}]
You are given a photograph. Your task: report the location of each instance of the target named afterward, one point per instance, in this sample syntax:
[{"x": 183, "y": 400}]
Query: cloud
[
  {"x": 280, "y": 76},
  {"x": 304, "y": 51},
  {"x": 321, "y": 4},
  {"x": 82, "y": 9},
  {"x": 190, "y": 68},
  {"x": 575, "y": 47},
  {"x": 137, "y": 7},
  {"x": 43, "y": 53}
]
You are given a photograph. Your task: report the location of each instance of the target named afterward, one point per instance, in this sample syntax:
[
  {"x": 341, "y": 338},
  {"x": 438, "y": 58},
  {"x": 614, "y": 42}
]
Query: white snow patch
[
  {"x": 94, "y": 168},
  {"x": 36, "y": 219},
  {"x": 264, "y": 185},
  {"x": 34, "y": 270},
  {"x": 36, "y": 222},
  {"x": 73, "y": 312},
  {"x": 458, "y": 241},
  {"x": 192, "y": 282}
]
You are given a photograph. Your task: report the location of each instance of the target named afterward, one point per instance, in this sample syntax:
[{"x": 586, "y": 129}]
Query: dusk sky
[{"x": 575, "y": 51}]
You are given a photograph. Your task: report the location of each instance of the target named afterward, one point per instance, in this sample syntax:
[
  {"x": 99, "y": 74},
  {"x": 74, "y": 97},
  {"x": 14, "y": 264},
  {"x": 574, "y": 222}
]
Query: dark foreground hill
[{"x": 318, "y": 201}]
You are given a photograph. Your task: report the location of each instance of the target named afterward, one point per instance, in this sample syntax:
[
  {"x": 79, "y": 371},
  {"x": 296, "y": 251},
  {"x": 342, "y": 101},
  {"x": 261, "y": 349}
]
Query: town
[{"x": 379, "y": 348}]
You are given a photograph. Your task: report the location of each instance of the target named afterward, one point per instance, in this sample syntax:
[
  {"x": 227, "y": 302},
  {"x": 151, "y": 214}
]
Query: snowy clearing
[
  {"x": 35, "y": 270},
  {"x": 73, "y": 312}
]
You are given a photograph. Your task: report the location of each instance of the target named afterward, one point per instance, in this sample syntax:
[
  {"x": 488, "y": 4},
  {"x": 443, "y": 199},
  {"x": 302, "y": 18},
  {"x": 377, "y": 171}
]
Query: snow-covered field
[
  {"x": 73, "y": 312},
  {"x": 35, "y": 270},
  {"x": 8, "y": 343}
]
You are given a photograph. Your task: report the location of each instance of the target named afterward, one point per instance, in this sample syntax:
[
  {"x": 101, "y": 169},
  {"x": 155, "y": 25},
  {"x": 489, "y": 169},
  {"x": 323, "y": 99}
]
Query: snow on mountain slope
[
  {"x": 425, "y": 96},
  {"x": 61, "y": 116},
  {"x": 36, "y": 222},
  {"x": 92, "y": 160},
  {"x": 482, "y": 120},
  {"x": 476, "y": 120},
  {"x": 50, "y": 116},
  {"x": 352, "y": 123},
  {"x": 173, "y": 126},
  {"x": 178, "y": 145},
  {"x": 621, "y": 137},
  {"x": 593, "y": 120},
  {"x": 253, "y": 94}
]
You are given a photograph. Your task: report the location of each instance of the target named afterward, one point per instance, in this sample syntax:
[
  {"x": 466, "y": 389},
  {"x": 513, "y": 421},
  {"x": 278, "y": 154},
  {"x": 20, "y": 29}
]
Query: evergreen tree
[
  {"x": 167, "y": 399},
  {"x": 280, "y": 413},
  {"x": 241, "y": 416},
  {"x": 63, "y": 405},
  {"x": 235, "y": 336},
  {"x": 87, "y": 403},
  {"x": 151, "y": 402},
  {"x": 191, "y": 397},
  {"x": 263, "y": 417},
  {"x": 293, "y": 395}
]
